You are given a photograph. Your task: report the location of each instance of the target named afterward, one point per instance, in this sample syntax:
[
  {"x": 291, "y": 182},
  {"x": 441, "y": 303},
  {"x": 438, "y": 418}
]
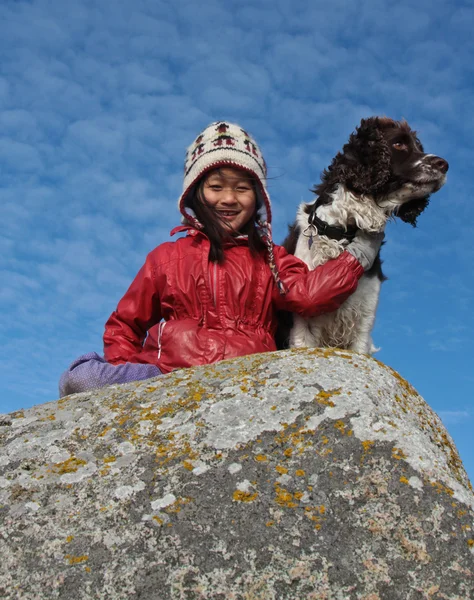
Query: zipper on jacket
[{"x": 160, "y": 333}]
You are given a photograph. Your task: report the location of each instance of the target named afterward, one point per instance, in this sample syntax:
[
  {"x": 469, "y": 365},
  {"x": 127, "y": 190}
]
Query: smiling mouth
[{"x": 227, "y": 214}]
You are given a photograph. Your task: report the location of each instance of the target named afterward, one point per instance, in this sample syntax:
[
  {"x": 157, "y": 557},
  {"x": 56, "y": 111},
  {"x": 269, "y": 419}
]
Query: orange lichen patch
[
  {"x": 340, "y": 426},
  {"x": 104, "y": 431},
  {"x": 300, "y": 473},
  {"x": 177, "y": 505},
  {"x": 51, "y": 418},
  {"x": 288, "y": 452},
  {"x": 240, "y": 496},
  {"x": 284, "y": 497},
  {"x": 323, "y": 396},
  {"x": 69, "y": 539},
  {"x": 324, "y": 452},
  {"x": 173, "y": 450},
  {"x": 68, "y": 466},
  {"x": 461, "y": 512},
  {"x": 273, "y": 407},
  {"x": 109, "y": 459},
  {"x": 88, "y": 569},
  {"x": 188, "y": 465},
  {"x": 261, "y": 458},
  {"x": 404, "y": 480},
  {"x": 158, "y": 520},
  {"x": 314, "y": 514},
  {"x": 19, "y": 414},
  {"x": 298, "y": 495},
  {"x": 367, "y": 445},
  {"x": 75, "y": 560},
  {"x": 441, "y": 488},
  {"x": 281, "y": 470},
  {"x": 398, "y": 453},
  {"x": 470, "y": 543},
  {"x": 269, "y": 523}
]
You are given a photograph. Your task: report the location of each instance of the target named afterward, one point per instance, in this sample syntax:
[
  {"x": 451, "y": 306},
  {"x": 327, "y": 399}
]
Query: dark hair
[{"x": 216, "y": 231}]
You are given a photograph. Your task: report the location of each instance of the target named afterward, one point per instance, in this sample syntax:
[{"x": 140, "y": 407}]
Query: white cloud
[{"x": 454, "y": 417}]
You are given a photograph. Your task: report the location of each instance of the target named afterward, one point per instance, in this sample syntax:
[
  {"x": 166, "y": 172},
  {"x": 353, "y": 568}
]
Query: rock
[{"x": 306, "y": 474}]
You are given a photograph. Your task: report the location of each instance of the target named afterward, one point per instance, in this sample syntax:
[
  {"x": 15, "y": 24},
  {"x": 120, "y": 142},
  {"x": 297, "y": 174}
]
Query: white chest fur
[{"x": 351, "y": 325}]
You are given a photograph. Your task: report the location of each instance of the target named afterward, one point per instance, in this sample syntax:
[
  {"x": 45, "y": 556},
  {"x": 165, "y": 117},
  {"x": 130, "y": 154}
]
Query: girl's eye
[
  {"x": 215, "y": 187},
  {"x": 400, "y": 146},
  {"x": 243, "y": 189}
]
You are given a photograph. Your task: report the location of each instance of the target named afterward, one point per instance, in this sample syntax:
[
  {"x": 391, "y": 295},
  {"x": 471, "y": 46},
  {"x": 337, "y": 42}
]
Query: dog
[{"x": 381, "y": 173}]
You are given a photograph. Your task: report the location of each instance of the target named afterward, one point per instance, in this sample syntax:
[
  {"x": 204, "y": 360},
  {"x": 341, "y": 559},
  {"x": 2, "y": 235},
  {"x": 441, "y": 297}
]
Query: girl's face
[{"x": 230, "y": 193}]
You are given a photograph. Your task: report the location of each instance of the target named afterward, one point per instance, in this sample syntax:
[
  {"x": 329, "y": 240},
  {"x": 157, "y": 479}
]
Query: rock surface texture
[{"x": 306, "y": 474}]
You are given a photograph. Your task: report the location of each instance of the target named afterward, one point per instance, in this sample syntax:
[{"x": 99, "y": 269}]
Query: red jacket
[{"x": 207, "y": 312}]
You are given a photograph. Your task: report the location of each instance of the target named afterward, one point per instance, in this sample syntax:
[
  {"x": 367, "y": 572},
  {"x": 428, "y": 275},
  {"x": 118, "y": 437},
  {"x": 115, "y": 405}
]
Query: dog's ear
[
  {"x": 410, "y": 211},
  {"x": 365, "y": 159}
]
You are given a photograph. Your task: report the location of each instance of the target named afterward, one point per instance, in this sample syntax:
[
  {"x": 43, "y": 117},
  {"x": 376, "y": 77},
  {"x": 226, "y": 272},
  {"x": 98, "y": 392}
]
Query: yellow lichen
[
  {"x": 69, "y": 466},
  {"x": 75, "y": 560},
  {"x": 261, "y": 458},
  {"x": 177, "y": 505},
  {"x": 240, "y": 496},
  {"x": 69, "y": 539},
  {"x": 441, "y": 488},
  {"x": 367, "y": 445},
  {"x": 281, "y": 470},
  {"x": 104, "y": 431},
  {"x": 19, "y": 414},
  {"x": 285, "y": 498},
  {"x": 323, "y": 396},
  {"x": 109, "y": 459},
  {"x": 300, "y": 473},
  {"x": 403, "y": 479},
  {"x": 398, "y": 453}
]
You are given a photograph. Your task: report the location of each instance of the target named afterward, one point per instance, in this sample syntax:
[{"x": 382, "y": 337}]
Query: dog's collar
[{"x": 331, "y": 231}]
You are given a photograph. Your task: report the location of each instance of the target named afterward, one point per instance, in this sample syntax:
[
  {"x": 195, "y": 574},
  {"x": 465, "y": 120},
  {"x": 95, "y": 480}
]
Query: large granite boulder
[{"x": 306, "y": 474}]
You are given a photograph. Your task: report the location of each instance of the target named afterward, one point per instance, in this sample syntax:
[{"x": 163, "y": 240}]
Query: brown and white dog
[{"x": 382, "y": 172}]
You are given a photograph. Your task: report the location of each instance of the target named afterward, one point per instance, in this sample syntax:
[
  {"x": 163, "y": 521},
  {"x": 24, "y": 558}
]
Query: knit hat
[{"x": 224, "y": 144}]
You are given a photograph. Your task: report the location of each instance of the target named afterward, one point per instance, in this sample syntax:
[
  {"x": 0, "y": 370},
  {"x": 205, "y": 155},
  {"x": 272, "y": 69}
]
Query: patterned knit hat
[{"x": 224, "y": 144}]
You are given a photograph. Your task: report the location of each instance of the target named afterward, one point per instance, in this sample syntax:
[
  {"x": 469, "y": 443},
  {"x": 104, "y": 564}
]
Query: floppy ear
[
  {"x": 366, "y": 158},
  {"x": 410, "y": 211}
]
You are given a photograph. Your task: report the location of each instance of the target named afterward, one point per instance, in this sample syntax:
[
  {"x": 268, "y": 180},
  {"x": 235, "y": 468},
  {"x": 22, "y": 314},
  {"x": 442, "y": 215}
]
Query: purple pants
[{"x": 90, "y": 372}]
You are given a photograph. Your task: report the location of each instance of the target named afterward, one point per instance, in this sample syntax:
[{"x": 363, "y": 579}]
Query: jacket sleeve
[
  {"x": 321, "y": 290},
  {"x": 137, "y": 311}
]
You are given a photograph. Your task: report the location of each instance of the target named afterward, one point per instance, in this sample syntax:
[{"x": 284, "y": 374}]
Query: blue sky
[{"x": 99, "y": 99}]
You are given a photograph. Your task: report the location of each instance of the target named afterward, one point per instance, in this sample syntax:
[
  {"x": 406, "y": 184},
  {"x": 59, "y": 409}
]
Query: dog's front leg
[
  {"x": 367, "y": 297},
  {"x": 302, "y": 335}
]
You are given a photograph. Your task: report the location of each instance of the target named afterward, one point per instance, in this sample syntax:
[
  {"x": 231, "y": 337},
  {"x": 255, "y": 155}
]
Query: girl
[{"x": 214, "y": 294}]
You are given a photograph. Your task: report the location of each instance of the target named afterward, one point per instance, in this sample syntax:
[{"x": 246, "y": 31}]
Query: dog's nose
[{"x": 439, "y": 163}]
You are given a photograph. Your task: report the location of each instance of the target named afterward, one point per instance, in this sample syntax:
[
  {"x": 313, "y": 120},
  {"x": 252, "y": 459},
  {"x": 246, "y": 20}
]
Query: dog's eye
[{"x": 400, "y": 146}]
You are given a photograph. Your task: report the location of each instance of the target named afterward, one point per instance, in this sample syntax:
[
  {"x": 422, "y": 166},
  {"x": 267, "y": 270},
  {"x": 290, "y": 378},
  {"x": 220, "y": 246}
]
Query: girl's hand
[{"x": 365, "y": 247}]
